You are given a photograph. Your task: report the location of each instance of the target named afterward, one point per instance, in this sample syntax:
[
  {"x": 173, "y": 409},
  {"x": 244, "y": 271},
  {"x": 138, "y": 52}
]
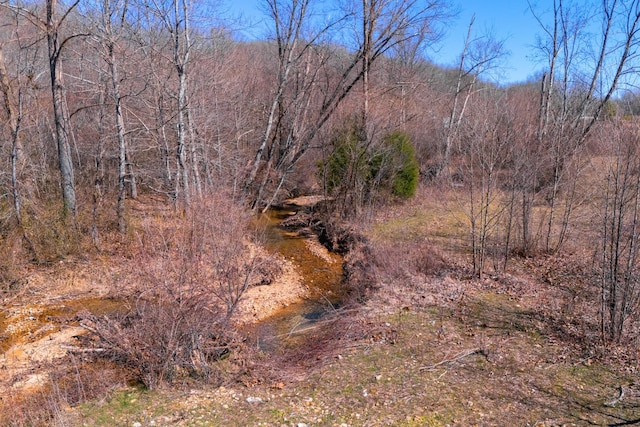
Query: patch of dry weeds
[{"x": 485, "y": 364}]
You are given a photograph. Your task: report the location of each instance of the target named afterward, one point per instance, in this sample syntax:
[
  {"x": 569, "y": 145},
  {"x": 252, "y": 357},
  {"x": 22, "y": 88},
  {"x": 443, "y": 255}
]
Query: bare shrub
[
  {"x": 11, "y": 254},
  {"x": 359, "y": 272},
  {"x": 50, "y": 234},
  {"x": 65, "y": 385},
  {"x": 408, "y": 258},
  {"x": 39, "y": 408},
  {"x": 620, "y": 218},
  {"x": 193, "y": 273}
]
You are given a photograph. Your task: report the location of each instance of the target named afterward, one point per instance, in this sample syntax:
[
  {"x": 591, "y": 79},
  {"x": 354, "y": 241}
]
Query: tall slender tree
[
  {"x": 51, "y": 25},
  {"x": 12, "y": 106},
  {"x": 55, "y": 43},
  {"x": 108, "y": 37},
  {"x": 584, "y": 70}
]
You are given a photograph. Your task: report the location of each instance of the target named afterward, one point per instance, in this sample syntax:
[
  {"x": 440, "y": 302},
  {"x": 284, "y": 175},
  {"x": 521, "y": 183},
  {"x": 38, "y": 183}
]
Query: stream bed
[
  {"x": 37, "y": 321},
  {"x": 322, "y": 274}
]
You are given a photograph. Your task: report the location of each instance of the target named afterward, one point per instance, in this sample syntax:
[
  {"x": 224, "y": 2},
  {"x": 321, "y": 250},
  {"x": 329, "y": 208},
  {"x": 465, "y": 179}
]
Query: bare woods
[{"x": 111, "y": 105}]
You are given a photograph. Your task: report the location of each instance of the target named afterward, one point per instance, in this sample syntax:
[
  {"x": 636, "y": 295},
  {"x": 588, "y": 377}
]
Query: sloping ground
[
  {"x": 40, "y": 334},
  {"x": 483, "y": 363},
  {"x": 430, "y": 348},
  {"x": 39, "y": 326}
]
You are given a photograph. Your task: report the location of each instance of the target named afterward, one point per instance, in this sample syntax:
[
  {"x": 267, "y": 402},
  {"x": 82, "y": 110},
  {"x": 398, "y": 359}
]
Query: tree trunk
[
  {"x": 180, "y": 59},
  {"x": 120, "y": 126},
  {"x": 14, "y": 116},
  {"x": 61, "y": 119}
]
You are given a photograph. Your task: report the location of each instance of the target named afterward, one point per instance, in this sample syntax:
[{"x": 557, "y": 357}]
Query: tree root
[{"x": 616, "y": 400}]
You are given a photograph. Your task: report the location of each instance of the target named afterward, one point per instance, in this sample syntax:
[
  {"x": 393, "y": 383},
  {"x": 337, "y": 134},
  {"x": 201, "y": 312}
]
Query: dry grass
[
  {"x": 182, "y": 277},
  {"x": 430, "y": 347},
  {"x": 402, "y": 370},
  {"x": 48, "y": 400}
]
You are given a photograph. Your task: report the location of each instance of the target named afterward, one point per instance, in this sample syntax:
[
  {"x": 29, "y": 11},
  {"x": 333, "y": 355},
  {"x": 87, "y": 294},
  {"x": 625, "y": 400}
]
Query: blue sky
[{"x": 507, "y": 20}]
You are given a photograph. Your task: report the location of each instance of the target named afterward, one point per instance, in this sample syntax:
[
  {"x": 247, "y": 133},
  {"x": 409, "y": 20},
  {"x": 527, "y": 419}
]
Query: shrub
[
  {"x": 357, "y": 171},
  {"x": 404, "y": 166},
  {"x": 347, "y": 162},
  {"x": 193, "y": 273},
  {"x": 51, "y": 232},
  {"x": 65, "y": 385}
]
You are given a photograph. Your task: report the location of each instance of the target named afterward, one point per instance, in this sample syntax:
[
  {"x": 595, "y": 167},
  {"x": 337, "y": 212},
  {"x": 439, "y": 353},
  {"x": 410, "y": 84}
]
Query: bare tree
[
  {"x": 13, "y": 108},
  {"x": 388, "y": 24},
  {"x": 51, "y": 25},
  {"x": 60, "y": 111},
  {"x": 167, "y": 39},
  {"x": 288, "y": 28},
  {"x": 479, "y": 55},
  {"x": 176, "y": 19},
  {"x": 573, "y": 97},
  {"x": 620, "y": 236},
  {"x": 108, "y": 39},
  {"x": 485, "y": 147}
]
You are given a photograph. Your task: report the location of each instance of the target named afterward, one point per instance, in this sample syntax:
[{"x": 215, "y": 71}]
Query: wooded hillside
[{"x": 104, "y": 102}]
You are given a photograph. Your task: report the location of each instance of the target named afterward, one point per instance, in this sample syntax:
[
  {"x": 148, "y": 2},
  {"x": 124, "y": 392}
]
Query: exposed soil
[
  {"x": 38, "y": 325},
  {"x": 260, "y": 302},
  {"x": 473, "y": 353}
]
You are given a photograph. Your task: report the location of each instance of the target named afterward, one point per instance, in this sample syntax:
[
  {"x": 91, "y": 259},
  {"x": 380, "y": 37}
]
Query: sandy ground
[
  {"x": 260, "y": 302},
  {"x": 31, "y": 339},
  {"x": 38, "y": 340}
]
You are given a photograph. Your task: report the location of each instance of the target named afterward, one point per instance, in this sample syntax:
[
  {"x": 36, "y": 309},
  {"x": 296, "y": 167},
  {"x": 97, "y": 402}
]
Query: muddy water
[
  {"x": 289, "y": 327},
  {"x": 37, "y": 321},
  {"x": 285, "y": 329}
]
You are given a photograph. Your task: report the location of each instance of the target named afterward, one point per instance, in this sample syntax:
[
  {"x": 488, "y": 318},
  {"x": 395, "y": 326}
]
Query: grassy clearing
[
  {"x": 412, "y": 369},
  {"x": 444, "y": 221}
]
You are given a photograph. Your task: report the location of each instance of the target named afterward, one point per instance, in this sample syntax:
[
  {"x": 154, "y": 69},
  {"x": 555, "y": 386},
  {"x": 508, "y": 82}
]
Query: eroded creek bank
[
  {"x": 33, "y": 336},
  {"x": 39, "y": 328}
]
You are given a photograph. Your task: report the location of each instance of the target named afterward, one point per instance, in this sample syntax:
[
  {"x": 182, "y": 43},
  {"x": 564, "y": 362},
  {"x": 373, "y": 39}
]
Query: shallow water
[
  {"x": 283, "y": 330},
  {"x": 286, "y": 328},
  {"x": 39, "y": 320}
]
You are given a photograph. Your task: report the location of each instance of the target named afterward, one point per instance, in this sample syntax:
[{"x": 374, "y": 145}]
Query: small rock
[
  {"x": 136, "y": 424},
  {"x": 301, "y": 425},
  {"x": 254, "y": 400}
]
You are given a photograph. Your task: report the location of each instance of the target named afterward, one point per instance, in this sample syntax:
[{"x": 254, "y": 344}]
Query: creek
[
  {"x": 291, "y": 326},
  {"x": 37, "y": 321},
  {"x": 321, "y": 272}
]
